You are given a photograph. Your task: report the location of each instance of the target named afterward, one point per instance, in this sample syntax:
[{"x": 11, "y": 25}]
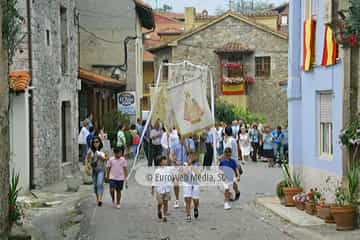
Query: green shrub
[
  {"x": 15, "y": 211},
  {"x": 227, "y": 113},
  {"x": 279, "y": 189},
  {"x": 112, "y": 120}
]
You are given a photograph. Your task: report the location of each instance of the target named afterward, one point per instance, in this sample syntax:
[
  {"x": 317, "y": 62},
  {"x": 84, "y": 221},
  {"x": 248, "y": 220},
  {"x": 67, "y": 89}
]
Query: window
[
  {"x": 48, "y": 37},
  {"x": 165, "y": 70},
  {"x": 263, "y": 66},
  {"x": 64, "y": 40},
  {"x": 326, "y": 124},
  {"x": 284, "y": 20}
]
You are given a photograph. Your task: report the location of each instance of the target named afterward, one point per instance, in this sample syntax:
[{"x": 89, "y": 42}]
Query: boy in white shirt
[{"x": 162, "y": 183}]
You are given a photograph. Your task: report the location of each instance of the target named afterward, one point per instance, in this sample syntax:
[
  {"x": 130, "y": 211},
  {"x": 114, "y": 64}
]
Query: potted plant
[
  {"x": 347, "y": 28},
  {"x": 323, "y": 211},
  {"x": 293, "y": 186},
  {"x": 300, "y": 200},
  {"x": 346, "y": 201},
  {"x": 312, "y": 199},
  {"x": 280, "y": 192},
  {"x": 14, "y": 208}
]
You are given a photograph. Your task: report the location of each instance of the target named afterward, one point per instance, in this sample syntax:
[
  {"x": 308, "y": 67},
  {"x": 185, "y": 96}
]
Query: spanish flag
[
  {"x": 309, "y": 44},
  {"x": 330, "y": 51}
]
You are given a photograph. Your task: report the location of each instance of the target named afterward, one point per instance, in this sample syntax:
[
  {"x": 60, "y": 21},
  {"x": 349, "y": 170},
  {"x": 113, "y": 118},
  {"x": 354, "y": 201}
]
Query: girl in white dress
[{"x": 244, "y": 143}]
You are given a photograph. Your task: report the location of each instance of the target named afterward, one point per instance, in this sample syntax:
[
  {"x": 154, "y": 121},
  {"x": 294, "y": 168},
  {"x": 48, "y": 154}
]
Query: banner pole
[
  {"x": 212, "y": 93},
  {"x": 146, "y": 125}
]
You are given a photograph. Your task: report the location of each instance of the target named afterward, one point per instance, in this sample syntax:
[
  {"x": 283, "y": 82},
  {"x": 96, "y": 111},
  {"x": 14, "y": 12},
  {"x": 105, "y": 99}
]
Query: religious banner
[
  {"x": 309, "y": 44},
  {"x": 330, "y": 51},
  {"x": 190, "y": 106},
  {"x": 158, "y": 99}
]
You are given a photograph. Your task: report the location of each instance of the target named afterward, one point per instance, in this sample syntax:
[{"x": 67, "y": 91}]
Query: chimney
[{"x": 190, "y": 15}]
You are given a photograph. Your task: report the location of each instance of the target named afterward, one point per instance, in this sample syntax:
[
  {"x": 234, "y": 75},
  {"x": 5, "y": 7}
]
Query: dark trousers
[
  {"x": 146, "y": 146},
  {"x": 209, "y": 155},
  {"x": 155, "y": 152},
  {"x": 255, "y": 147}
]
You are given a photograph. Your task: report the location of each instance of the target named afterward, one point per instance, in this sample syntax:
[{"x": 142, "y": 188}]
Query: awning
[
  {"x": 96, "y": 79},
  {"x": 19, "y": 80},
  {"x": 145, "y": 14}
]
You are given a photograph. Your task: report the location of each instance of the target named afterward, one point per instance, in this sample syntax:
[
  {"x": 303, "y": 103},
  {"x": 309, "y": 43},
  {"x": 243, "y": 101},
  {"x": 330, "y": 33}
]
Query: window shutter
[{"x": 325, "y": 107}]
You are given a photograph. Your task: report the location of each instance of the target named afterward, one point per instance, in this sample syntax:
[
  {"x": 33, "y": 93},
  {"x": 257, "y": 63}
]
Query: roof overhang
[
  {"x": 99, "y": 80},
  {"x": 145, "y": 14}
]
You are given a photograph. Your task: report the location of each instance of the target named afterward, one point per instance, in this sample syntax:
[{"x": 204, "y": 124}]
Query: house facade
[
  {"x": 43, "y": 100},
  {"x": 247, "y": 72},
  {"x": 319, "y": 96},
  {"x": 111, "y": 46}
]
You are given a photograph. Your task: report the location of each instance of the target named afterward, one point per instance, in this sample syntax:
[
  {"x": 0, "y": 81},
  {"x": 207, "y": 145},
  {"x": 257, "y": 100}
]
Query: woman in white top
[
  {"x": 244, "y": 143},
  {"x": 230, "y": 142}
]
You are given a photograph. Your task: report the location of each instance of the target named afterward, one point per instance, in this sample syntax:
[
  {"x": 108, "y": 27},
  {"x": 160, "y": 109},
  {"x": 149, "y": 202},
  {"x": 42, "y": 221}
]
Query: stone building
[
  {"x": 248, "y": 61},
  {"x": 111, "y": 47},
  {"x": 44, "y": 98}
]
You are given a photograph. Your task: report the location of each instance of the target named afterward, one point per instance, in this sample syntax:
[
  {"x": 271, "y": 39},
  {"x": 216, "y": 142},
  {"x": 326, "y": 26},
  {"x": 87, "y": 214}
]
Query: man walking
[
  {"x": 156, "y": 149},
  {"x": 82, "y": 140},
  {"x": 209, "y": 155}
]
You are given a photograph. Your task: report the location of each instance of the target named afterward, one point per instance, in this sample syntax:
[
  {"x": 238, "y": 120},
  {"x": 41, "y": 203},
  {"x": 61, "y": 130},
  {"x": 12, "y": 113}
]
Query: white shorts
[
  {"x": 191, "y": 191},
  {"x": 229, "y": 184}
]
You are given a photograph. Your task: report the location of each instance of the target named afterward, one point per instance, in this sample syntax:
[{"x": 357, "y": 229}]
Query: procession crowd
[{"x": 225, "y": 146}]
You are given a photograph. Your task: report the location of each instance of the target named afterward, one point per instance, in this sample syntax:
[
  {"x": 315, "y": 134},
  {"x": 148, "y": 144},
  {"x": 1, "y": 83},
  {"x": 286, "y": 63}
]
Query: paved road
[{"x": 137, "y": 217}]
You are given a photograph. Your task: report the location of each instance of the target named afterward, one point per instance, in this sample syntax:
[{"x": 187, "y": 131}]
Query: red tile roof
[
  {"x": 19, "y": 80},
  {"x": 164, "y": 25},
  {"x": 173, "y": 15}
]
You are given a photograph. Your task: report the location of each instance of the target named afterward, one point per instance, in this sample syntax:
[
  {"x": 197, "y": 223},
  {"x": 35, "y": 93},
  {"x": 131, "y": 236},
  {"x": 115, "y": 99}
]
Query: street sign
[{"x": 126, "y": 102}]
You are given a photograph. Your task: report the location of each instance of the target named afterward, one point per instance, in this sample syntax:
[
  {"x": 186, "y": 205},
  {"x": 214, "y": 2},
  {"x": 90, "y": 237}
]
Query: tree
[
  {"x": 4, "y": 134},
  {"x": 165, "y": 8},
  {"x": 246, "y": 6}
]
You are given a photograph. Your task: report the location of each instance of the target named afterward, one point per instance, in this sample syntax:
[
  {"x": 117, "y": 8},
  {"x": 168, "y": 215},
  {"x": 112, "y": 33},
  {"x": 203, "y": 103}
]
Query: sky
[{"x": 210, "y": 5}]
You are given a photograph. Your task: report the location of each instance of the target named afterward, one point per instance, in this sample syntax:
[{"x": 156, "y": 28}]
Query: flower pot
[
  {"x": 345, "y": 217},
  {"x": 310, "y": 208},
  {"x": 300, "y": 206},
  {"x": 289, "y": 194},
  {"x": 323, "y": 212}
]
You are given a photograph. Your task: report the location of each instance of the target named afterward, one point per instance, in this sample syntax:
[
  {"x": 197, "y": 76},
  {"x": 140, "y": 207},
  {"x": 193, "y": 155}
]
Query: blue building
[{"x": 318, "y": 99}]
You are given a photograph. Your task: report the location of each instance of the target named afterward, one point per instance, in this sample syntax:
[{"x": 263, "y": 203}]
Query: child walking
[
  {"x": 268, "y": 146},
  {"x": 118, "y": 175},
  {"x": 191, "y": 189},
  {"x": 162, "y": 183},
  {"x": 229, "y": 168}
]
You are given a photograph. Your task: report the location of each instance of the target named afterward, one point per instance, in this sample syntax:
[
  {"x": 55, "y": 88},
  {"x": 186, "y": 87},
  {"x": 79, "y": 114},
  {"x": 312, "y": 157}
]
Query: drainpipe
[{"x": 31, "y": 133}]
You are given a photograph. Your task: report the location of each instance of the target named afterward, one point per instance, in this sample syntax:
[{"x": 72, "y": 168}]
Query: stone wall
[
  {"x": 101, "y": 20},
  {"x": 4, "y": 137},
  {"x": 51, "y": 89},
  {"x": 265, "y": 96}
]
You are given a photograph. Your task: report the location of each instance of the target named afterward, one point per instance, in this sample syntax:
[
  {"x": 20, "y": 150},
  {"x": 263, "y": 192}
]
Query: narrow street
[{"x": 137, "y": 217}]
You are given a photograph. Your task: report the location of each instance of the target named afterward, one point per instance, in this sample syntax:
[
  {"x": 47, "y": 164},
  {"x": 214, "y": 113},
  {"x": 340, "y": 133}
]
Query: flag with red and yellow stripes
[
  {"x": 330, "y": 51},
  {"x": 309, "y": 44}
]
